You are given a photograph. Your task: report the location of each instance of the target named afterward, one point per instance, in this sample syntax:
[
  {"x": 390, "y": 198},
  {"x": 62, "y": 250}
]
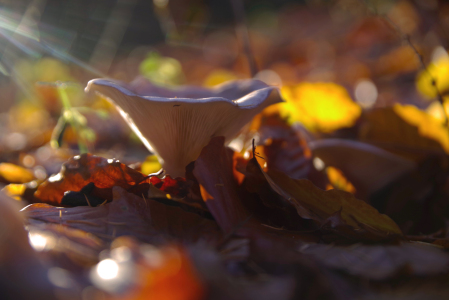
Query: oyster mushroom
[{"x": 177, "y": 124}]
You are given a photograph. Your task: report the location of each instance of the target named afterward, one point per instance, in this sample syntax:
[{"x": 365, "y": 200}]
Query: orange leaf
[
  {"x": 173, "y": 278},
  {"x": 339, "y": 181},
  {"x": 78, "y": 171}
]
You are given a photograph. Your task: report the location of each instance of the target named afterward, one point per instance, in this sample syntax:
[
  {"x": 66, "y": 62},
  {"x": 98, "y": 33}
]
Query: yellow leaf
[
  {"x": 14, "y": 190},
  {"x": 427, "y": 126},
  {"x": 437, "y": 111},
  {"x": 405, "y": 130},
  {"x": 15, "y": 174},
  {"x": 438, "y": 71},
  {"x": 26, "y": 116},
  {"x": 151, "y": 165},
  {"x": 339, "y": 181},
  {"x": 323, "y": 107},
  {"x": 218, "y": 76}
]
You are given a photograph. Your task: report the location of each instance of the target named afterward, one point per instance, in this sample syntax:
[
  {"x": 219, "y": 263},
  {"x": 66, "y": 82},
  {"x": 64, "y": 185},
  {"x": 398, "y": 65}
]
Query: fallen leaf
[
  {"x": 417, "y": 201},
  {"x": 285, "y": 149},
  {"x": 150, "y": 165},
  {"x": 22, "y": 191},
  {"x": 167, "y": 273},
  {"x": 397, "y": 61},
  {"x": 81, "y": 170},
  {"x": 338, "y": 180},
  {"x": 313, "y": 203},
  {"x": 214, "y": 170},
  {"x": 296, "y": 277},
  {"x": 219, "y": 76},
  {"x": 21, "y": 266},
  {"x": 127, "y": 214},
  {"x": 94, "y": 177},
  {"x": 438, "y": 111},
  {"x": 11, "y": 173},
  {"x": 437, "y": 71},
  {"x": 368, "y": 167},
  {"x": 323, "y": 107},
  {"x": 427, "y": 126},
  {"x": 72, "y": 247},
  {"x": 304, "y": 195},
  {"x": 405, "y": 130},
  {"x": 381, "y": 262}
]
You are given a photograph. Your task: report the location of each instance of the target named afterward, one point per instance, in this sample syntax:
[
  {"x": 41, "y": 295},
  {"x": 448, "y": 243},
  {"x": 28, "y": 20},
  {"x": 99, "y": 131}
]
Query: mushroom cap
[
  {"x": 368, "y": 167},
  {"x": 177, "y": 124}
]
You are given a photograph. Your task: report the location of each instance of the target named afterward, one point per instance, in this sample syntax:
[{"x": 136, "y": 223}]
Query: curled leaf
[
  {"x": 368, "y": 167},
  {"x": 219, "y": 189},
  {"x": 91, "y": 177},
  {"x": 81, "y": 170},
  {"x": 318, "y": 205},
  {"x": 127, "y": 214}
]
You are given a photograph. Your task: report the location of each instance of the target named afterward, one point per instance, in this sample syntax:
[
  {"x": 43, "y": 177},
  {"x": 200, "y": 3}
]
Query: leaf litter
[{"x": 269, "y": 225}]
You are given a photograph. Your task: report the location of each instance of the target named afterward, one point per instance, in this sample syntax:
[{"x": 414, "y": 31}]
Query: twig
[
  {"x": 407, "y": 38},
  {"x": 256, "y": 154},
  {"x": 254, "y": 148},
  {"x": 87, "y": 200}
]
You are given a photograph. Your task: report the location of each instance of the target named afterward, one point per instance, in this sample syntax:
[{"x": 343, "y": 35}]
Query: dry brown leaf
[
  {"x": 368, "y": 167},
  {"x": 78, "y": 171},
  {"x": 405, "y": 130},
  {"x": 69, "y": 246},
  {"x": 346, "y": 214},
  {"x": 314, "y": 203},
  {"x": 383, "y": 261},
  {"x": 128, "y": 214},
  {"x": 214, "y": 170},
  {"x": 20, "y": 265},
  {"x": 95, "y": 177}
]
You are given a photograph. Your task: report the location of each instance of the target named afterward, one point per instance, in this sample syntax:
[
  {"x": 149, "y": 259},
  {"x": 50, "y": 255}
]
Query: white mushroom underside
[{"x": 177, "y": 129}]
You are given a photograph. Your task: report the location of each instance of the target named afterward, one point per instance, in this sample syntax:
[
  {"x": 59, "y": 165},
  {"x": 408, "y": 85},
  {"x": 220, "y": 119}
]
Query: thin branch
[
  {"x": 405, "y": 37},
  {"x": 433, "y": 81}
]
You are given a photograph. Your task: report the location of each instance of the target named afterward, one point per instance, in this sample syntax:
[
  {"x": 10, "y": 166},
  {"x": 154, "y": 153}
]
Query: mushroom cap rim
[
  {"x": 317, "y": 144},
  {"x": 117, "y": 85}
]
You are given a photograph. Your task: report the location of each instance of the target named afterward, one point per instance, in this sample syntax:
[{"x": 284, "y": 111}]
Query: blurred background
[{"x": 369, "y": 48}]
